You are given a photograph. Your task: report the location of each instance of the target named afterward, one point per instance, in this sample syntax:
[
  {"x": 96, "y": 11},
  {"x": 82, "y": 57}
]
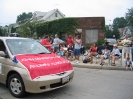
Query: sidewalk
[{"x": 98, "y": 66}]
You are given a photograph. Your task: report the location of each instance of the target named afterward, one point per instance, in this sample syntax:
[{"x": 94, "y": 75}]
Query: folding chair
[
  {"x": 86, "y": 55},
  {"x": 99, "y": 51},
  {"x": 119, "y": 59}
]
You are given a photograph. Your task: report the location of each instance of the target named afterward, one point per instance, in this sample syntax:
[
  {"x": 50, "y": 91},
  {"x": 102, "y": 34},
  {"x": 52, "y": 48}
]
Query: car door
[
  {"x": 2, "y": 59},
  {"x": 2, "y": 70},
  {"x": 6, "y": 64}
]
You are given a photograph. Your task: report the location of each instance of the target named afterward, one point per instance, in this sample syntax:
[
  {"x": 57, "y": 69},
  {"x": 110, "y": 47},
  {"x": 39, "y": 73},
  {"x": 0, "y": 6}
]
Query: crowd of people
[
  {"x": 127, "y": 48},
  {"x": 114, "y": 53},
  {"x": 73, "y": 48}
]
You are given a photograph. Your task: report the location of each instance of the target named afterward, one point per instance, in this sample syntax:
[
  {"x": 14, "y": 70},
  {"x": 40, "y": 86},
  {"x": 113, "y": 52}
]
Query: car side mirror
[{"x": 2, "y": 53}]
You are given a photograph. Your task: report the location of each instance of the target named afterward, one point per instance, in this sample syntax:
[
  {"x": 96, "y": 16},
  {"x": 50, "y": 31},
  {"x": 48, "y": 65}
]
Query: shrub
[
  {"x": 87, "y": 47},
  {"x": 100, "y": 42}
]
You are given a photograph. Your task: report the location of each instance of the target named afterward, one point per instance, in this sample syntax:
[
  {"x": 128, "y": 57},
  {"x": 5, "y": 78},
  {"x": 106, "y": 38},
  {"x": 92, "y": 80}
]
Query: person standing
[
  {"x": 132, "y": 49},
  {"x": 56, "y": 43},
  {"x": 39, "y": 39},
  {"x": 70, "y": 40},
  {"x": 77, "y": 46},
  {"x": 46, "y": 43},
  {"x": 51, "y": 39},
  {"x": 126, "y": 47}
]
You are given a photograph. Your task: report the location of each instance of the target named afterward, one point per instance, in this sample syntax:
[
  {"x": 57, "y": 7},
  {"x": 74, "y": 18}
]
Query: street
[{"x": 88, "y": 84}]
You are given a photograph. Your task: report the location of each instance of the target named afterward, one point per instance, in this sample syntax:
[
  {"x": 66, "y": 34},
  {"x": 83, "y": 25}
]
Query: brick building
[{"x": 90, "y": 29}]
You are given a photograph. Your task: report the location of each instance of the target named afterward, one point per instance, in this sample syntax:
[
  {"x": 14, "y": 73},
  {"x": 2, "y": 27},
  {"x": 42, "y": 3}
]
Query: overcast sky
[{"x": 110, "y": 9}]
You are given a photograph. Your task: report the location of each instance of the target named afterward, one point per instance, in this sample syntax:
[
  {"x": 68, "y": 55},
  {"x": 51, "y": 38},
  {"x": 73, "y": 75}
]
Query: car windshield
[{"x": 25, "y": 46}]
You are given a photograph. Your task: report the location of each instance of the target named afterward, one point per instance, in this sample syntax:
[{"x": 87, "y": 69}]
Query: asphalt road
[{"x": 88, "y": 84}]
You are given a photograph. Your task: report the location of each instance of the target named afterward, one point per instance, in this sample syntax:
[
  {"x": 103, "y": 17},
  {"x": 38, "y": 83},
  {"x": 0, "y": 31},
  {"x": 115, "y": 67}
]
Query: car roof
[
  {"x": 4, "y": 38},
  {"x": 110, "y": 39}
]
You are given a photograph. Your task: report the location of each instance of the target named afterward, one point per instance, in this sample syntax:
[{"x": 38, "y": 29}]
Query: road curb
[{"x": 99, "y": 67}]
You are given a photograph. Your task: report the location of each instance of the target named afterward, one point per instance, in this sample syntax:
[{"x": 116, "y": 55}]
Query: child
[
  {"x": 105, "y": 55},
  {"x": 61, "y": 51},
  {"x": 128, "y": 63}
]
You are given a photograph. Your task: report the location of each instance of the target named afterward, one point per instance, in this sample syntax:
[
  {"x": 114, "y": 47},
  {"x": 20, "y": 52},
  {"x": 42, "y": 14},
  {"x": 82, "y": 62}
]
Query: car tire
[{"x": 16, "y": 86}]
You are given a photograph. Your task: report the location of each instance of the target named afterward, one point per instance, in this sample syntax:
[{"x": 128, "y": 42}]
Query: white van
[{"x": 111, "y": 41}]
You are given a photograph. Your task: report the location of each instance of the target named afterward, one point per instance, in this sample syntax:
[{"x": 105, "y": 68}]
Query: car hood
[{"x": 44, "y": 64}]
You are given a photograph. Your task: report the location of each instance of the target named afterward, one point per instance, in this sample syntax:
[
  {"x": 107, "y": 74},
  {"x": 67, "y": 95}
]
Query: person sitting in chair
[
  {"x": 62, "y": 50},
  {"x": 69, "y": 52},
  {"x": 128, "y": 64},
  {"x": 115, "y": 54},
  {"x": 105, "y": 55},
  {"x": 93, "y": 52}
]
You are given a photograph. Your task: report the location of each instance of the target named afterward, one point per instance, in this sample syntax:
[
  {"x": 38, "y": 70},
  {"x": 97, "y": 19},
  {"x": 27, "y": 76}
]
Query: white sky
[{"x": 110, "y": 9}]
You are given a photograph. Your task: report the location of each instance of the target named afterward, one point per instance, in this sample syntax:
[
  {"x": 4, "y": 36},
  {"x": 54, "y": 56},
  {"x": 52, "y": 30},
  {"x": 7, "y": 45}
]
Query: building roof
[
  {"x": 38, "y": 13},
  {"x": 45, "y": 15},
  {"x": 130, "y": 28}
]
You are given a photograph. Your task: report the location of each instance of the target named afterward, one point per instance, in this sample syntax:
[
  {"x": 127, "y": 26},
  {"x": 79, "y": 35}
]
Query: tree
[
  {"x": 3, "y": 32},
  {"x": 22, "y": 17},
  {"x": 108, "y": 32},
  {"x": 116, "y": 33},
  {"x": 119, "y": 22},
  {"x": 13, "y": 30},
  {"x": 27, "y": 30},
  {"x": 129, "y": 16},
  {"x": 0, "y": 32}
]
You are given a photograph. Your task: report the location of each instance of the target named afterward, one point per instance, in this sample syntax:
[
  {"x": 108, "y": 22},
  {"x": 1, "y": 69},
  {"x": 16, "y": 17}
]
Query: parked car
[
  {"x": 111, "y": 41},
  {"x": 28, "y": 67}
]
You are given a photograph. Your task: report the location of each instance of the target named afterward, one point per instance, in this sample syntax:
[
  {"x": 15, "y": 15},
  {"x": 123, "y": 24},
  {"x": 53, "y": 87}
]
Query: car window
[
  {"x": 2, "y": 46},
  {"x": 25, "y": 46}
]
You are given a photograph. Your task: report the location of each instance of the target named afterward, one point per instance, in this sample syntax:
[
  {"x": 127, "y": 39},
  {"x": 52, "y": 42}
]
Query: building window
[
  {"x": 56, "y": 15},
  {"x": 78, "y": 31},
  {"x": 91, "y": 36}
]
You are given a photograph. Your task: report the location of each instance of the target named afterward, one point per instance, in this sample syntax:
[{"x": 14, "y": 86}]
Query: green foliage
[
  {"x": 27, "y": 30},
  {"x": 103, "y": 25},
  {"x": 129, "y": 17},
  {"x": 108, "y": 32},
  {"x": 13, "y": 30},
  {"x": 100, "y": 42},
  {"x": 119, "y": 22},
  {"x": 113, "y": 29},
  {"x": 87, "y": 47},
  {"x": 64, "y": 25},
  {"x": 0, "y": 32},
  {"x": 116, "y": 33},
  {"x": 3, "y": 32},
  {"x": 24, "y": 16}
]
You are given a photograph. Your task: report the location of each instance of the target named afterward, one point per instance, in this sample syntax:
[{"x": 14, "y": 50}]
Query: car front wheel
[{"x": 16, "y": 86}]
